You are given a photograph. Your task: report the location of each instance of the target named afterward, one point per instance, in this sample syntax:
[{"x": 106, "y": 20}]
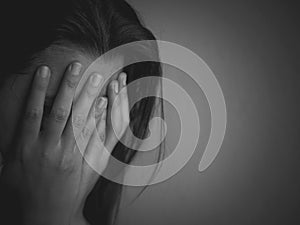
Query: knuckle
[
  {"x": 102, "y": 136},
  {"x": 92, "y": 93},
  {"x": 47, "y": 160},
  {"x": 41, "y": 86},
  {"x": 66, "y": 165},
  {"x": 87, "y": 132},
  {"x": 33, "y": 114},
  {"x": 60, "y": 114},
  {"x": 78, "y": 121},
  {"x": 71, "y": 83}
]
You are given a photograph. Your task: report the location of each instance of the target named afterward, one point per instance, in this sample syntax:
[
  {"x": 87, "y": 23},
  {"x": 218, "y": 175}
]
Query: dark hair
[{"x": 94, "y": 26}]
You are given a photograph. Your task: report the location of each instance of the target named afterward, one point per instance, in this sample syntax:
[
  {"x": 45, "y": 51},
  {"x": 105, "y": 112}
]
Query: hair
[{"x": 95, "y": 27}]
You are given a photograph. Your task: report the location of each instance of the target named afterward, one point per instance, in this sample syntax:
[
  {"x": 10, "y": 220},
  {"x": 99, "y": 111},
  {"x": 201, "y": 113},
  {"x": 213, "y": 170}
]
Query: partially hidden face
[{"x": 14, "y": 92}]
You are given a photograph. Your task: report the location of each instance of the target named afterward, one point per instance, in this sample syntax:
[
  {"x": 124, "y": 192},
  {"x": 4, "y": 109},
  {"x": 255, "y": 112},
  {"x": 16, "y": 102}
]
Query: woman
[{"x": 46, "y": 45}]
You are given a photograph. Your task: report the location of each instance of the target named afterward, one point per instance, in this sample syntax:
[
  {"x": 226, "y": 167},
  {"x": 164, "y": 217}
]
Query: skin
[
  {"x": 14, "y": 92},
  {"x": 49, "y": 171}
]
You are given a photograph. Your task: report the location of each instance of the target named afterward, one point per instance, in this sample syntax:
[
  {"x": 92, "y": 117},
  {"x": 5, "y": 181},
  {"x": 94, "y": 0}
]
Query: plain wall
[{"x": 252, "y": 47}]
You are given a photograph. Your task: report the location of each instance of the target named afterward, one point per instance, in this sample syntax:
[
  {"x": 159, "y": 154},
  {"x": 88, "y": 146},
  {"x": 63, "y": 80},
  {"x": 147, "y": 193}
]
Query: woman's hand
[{"x": 49, "y": 172}]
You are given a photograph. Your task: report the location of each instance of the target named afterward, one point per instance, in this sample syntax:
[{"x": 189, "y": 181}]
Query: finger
[
  {"x": 124, "y": 100},
  {"x": 101, "y": 126},
  {"x": 101, "y": 121},
  {"x": 63, "y": 102},
  {"x": 96, "y": 155},
  {"x": 86, "y": 133},
  {"x": 90, "y": 130},
  {"x": 82, "y": 107},
  {"x": 100, "y": 106},
  {"x": 34, "y": 109},
  {"x": 113, "y": 113}
]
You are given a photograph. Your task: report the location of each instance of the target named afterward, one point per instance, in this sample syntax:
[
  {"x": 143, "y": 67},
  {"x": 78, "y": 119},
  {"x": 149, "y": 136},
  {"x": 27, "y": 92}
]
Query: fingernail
[
  {"x": 103, "y": 103},
  {"x": 76, "y": 68},
  {"x": 124, "y": 76},
  {"x": 44, "y": 71},
  {"x": 96, "y": 79},
  {"x": 116, "y": 87}
]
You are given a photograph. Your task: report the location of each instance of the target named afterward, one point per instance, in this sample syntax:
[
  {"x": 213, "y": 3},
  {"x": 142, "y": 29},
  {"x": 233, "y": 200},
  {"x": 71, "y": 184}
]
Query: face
[{"x": 14, "y": 92}]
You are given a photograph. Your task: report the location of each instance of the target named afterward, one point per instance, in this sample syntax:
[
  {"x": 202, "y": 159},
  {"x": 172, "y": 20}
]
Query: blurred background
[{"x": 252, "y": 47}]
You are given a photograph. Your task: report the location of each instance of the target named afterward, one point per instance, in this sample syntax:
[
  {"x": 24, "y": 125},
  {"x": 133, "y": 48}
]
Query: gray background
[{"x": 252, "y": 47}]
